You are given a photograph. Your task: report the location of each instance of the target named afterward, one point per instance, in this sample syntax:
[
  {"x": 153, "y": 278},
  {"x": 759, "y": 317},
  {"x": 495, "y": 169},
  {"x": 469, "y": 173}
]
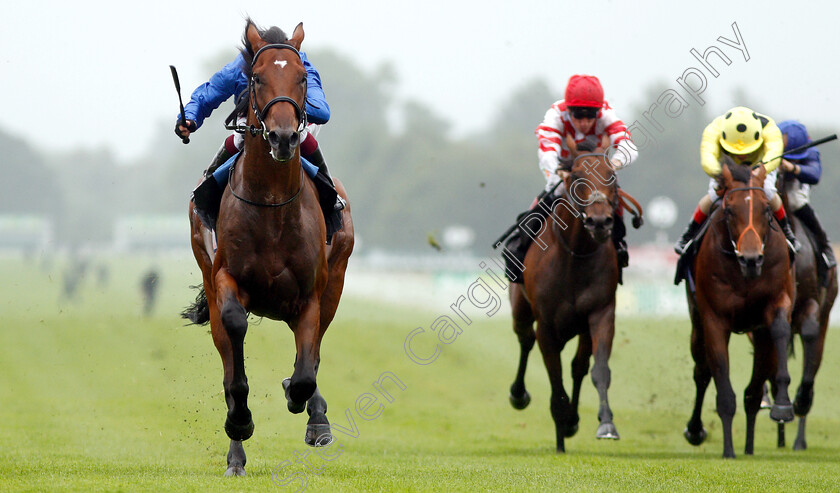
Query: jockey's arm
[
  {"x": 317, "y": 109},
  {"x": 550, "y": 138},
  {"x": 774, "y": 146},
  {"x": 710, "y": 148},
  {"x": 809, "y": 169},
  {"x": 625, "y": 151},
  {"x": 222, "y": 85}
]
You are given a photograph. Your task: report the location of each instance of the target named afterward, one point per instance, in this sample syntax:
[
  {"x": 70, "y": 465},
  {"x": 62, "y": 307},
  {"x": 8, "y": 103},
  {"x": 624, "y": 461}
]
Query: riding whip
[
  {"x": 799, "y": 149},
  {"x": 185, "y": 140}
]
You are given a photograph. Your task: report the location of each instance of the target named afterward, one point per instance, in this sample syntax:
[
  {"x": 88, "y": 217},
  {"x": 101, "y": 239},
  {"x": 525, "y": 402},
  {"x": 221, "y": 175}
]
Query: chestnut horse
[
  {"x": 743, "y": 284},
  {"x": 570, "y": 278},
  {"x": 816, "y": 290},
  {"x": 272, "y": 259}
]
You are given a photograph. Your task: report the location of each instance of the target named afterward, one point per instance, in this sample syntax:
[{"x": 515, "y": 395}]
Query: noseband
[
  {"x": 750, "y": 224},
  {"x": 597, "y": 196}
]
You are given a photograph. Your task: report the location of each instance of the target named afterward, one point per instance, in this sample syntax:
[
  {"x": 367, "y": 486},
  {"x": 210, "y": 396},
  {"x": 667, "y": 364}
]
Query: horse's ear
[
  {"x": 252, "y": 34},
  {"x": 605, "y": 143},
  {"x": 762, "y": 174},
  {"x": 726, "y": 173},
  {"x": 570, "y": 143},
  {"x": 297, "y": 36}
]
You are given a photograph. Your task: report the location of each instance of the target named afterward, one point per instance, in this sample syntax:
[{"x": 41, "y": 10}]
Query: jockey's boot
[
  {"x": 689, "y": 234},
  {"x": 331, "y": 202},
  {"x": 619, "y": 231},
  {"x": 519, "y": 241},
  {"x": 792, "y": 242},
  {"x": 219, "y": 159},
  {"x": 207, "y": 197},
  {"x": 317, "y": 158},
  {"x": 809, "y": 218}
]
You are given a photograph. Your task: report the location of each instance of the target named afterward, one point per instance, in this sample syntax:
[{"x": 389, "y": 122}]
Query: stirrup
[{"x": 340, "y": 203}]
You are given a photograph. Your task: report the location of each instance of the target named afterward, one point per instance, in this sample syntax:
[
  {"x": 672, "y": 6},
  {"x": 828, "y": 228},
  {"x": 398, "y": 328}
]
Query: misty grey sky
[{"x": 94, "y": 73}]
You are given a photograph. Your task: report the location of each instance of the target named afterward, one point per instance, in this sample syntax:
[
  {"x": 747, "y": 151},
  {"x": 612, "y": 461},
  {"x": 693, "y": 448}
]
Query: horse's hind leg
[
  {"x": 812, "y": 335},
  {"x": 318, "y": 428},
  {"x": 602, "y": 330},
  {"x": 523, "y": 326},
  {"x": 694, "y": 432},
  {"x": 228, "y": 326}
]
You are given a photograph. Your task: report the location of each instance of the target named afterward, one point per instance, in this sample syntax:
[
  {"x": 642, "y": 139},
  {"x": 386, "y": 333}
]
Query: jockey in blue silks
[
  {"x": 230, "y": 81},
  {"x": 803, "y": 170}
]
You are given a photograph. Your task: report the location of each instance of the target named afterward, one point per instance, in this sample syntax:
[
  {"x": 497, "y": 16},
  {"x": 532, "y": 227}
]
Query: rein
[{"x": 263, "y": 204}]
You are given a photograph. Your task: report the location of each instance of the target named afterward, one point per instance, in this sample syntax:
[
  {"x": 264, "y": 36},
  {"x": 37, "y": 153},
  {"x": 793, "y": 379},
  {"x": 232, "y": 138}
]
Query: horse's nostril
[
  {"x": 273, "y": 138},
  {"x": 294, "y": 140},
  {"x": 608, "y": 222},
  {"x": 589, "y": 221}
]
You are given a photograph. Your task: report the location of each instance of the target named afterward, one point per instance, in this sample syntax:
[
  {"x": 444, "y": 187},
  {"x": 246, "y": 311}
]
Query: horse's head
[
  {"x": 277, "y": 87},
  {"x": 592, "y": 186},
  {"x": 747, "y": 214}
]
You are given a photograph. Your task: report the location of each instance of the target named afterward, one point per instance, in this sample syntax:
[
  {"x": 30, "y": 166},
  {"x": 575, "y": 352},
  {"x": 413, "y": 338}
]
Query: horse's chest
[{"x": 277, "y": 286}]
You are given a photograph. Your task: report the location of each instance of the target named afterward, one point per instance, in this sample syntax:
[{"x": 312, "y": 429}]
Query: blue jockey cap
[{"x": 797, "y": 136}]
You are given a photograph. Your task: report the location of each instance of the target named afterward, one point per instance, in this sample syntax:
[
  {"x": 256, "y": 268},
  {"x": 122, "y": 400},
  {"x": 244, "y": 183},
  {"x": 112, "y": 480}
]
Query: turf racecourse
[{"x": 97, "y": 397}]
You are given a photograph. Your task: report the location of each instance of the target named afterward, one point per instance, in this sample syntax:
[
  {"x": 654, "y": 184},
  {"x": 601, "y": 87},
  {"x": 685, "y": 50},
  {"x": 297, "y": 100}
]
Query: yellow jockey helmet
[{"x": 741, "y": 132}]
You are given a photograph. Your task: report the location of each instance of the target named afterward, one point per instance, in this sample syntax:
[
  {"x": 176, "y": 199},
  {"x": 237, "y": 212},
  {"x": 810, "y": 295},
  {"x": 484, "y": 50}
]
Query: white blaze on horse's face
[{"x": 282, "y": 63}]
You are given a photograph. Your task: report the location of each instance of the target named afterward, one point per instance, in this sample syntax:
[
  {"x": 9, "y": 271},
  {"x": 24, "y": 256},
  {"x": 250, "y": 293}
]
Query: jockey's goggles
[{"x": 583, "y": 112}]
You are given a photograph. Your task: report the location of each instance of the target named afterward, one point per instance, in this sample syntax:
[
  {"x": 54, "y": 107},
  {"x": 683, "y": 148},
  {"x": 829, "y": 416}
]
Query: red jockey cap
[{"x": 584, "y": 90}]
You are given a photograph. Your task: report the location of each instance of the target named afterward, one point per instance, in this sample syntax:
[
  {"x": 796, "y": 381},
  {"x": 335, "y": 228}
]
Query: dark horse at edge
[
  {"x": 272, "y": 259},
  {"x": 570, "y": 279},
  {"x": 816, "y": 290}
]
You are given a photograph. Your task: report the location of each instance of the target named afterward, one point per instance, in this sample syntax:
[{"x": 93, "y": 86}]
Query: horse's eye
[
  {"x": 303, "y": 80},
  {"x": 257, "y": 79}
]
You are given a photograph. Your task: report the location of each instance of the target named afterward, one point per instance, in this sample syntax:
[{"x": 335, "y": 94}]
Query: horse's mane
[
  {"x": 272, "y": 35},
  {"x": 740, "y": 173}
]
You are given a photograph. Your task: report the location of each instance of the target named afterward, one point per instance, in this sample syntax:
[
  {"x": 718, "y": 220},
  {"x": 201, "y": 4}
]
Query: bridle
[
  {"x": 300, "y": 113},
  {"x": 595, "y": 197},
  {"x": 751, "y": 221}
]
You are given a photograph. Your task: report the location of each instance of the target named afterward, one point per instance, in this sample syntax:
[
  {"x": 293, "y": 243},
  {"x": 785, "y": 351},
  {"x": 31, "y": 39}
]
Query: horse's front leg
[
  {"x": 602, "y": 330},
  {"x": 764, "y": 361},
  {"x": 812, "y": 334},
  {"x": 716, "y": 341},
  {"x": 228, "y": 324},
  {"x": 561, "y": 409},
  {"x": 580, "y": 367},
  {"x": 695, "y": 432},
  {"x": 301, "y": 386},
  {"x": 782, "y": 410}
]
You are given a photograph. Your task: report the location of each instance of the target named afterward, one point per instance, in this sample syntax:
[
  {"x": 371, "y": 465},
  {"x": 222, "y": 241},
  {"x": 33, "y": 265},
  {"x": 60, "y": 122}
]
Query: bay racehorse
[
  {"x": 816, "y": 290},
  {"x": 570, "y": 279},
  {"x": 272, "y": 259},
  {"x": 744, "y": 283}
]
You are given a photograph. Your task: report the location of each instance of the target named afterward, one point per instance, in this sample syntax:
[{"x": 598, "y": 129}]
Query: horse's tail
[{"x": 198, "y": 313}]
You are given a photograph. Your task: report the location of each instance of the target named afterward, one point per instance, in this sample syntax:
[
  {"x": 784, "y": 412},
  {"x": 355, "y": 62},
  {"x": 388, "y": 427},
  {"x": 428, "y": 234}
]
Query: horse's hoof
[
  {"x": 800, "y": 444},
  {"x": 235, "y": 471},
  {"x": 294, "y": 407},
  {"x": 520, "y": 402},
  {"x": 571, "y": 430},
  {"x": 695, "y": 438},
  {"x": 607, "y": 431},
  {"x": 781, "y": 413},
  {"x": 318, "y": 435}
]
